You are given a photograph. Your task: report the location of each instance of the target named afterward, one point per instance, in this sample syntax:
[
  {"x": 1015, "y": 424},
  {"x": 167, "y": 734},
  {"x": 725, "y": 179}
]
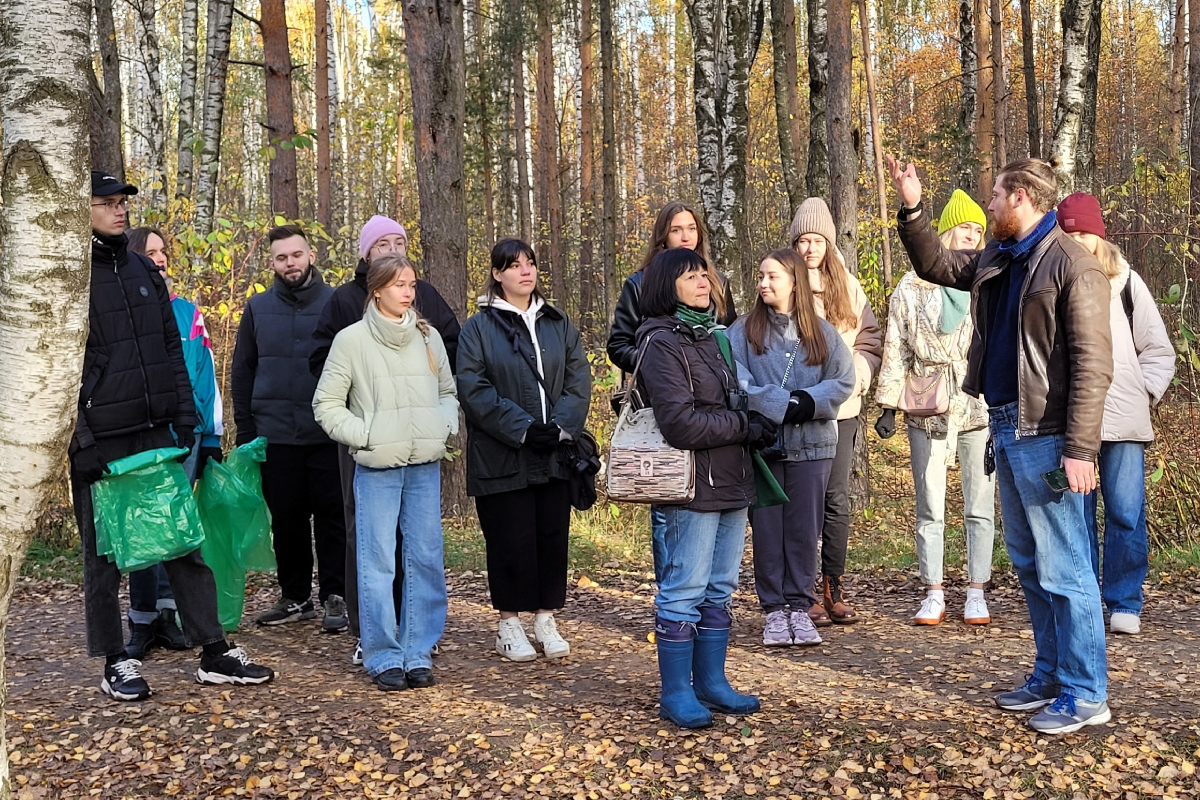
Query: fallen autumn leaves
[{"x": 881, "y": 710}]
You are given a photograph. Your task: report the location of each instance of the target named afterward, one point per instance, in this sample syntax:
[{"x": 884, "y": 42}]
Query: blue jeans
[
  {"x": 1047, "y": 537},
  {"x": 701, "y": 551},
  {"x": 1126, "y": 554},
  {"x": 657, "y": 520},
  {"x": 410, "y": 496}
]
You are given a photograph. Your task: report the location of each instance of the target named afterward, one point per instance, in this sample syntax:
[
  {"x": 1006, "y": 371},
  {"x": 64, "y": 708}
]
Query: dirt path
[{"x": 882, "y": 709}]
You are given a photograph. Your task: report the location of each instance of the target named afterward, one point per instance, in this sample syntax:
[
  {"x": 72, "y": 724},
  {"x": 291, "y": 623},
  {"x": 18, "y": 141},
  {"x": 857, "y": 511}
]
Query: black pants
[
  {"x": 526, "y": 531},
  {"x": 191, "y": 580},
  {"x": 785, "y": 537},
  {"x": 346, "y": 466},
  {"x": 835, "y": 535},
  {"x": 303, "y": 490}
]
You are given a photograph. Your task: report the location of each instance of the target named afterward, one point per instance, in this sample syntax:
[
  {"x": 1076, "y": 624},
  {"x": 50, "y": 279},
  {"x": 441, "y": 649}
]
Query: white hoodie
[{"x": 529, "y": 317}]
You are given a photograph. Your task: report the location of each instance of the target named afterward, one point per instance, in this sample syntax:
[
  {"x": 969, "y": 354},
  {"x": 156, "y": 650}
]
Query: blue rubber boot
[
  {"x": 678, "y": 701},
  {"x": 708, "y": 665}
]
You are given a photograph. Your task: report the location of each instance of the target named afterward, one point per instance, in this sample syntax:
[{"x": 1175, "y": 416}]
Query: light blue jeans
[
  {"x": 410, "y": 496},
  {"x": 929, "y": 457},
  {"x": 657, "y": 520},
  {"x": 1047, "y": 537},
  {"x": 1126, "y": 552},
  {"x": 701, "y": 552}
]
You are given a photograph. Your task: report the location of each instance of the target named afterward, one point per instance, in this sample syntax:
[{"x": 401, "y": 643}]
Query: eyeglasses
[{"x": 113, "y": 205}]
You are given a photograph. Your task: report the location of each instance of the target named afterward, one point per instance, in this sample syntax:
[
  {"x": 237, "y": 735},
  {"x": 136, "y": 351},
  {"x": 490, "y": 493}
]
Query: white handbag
[{"x": 642, "y": 467}]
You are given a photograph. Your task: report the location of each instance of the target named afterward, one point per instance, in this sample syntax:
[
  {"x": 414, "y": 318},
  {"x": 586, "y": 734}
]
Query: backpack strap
[{"x": 1127, "y": 299}]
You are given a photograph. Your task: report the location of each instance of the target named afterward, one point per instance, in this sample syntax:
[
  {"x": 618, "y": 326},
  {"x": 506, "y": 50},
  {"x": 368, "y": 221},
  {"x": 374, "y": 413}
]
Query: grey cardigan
[{"x": 829, "y": 384}]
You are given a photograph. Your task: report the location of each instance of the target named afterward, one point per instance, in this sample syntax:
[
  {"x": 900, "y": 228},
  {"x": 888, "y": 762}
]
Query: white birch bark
[
  {"x": 1069, "y": 110},
  {"x": 220, "y": 24},
  {"x": 44, "y": 273},
  {"x": 153, "y": 103}
]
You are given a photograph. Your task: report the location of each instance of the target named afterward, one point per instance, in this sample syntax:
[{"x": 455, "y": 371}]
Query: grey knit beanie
[{"x": 812, "y": 217}]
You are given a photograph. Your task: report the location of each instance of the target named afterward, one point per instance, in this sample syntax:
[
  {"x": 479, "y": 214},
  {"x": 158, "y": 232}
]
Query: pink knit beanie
[{"x": 376, "y": 228}]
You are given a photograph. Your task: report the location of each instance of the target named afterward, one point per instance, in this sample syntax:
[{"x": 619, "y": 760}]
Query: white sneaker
[
  {"x": 356, "y": 658},
  {"x": 512, "y": 642},
  {"x": 975, "y": 612},
  {"x": 933, "y": 610},
  {"x": 1124, "y": 622},
  {"x": 545, "y": 633}
]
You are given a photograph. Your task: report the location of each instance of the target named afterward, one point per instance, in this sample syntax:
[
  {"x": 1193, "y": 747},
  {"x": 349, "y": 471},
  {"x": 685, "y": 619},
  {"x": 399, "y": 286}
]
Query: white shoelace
[
  {"x": 128, "y": 669},
  {"x": 777, "y": 622},
  {"x": 802, "y": 621},
  {"x": 239, "y": 654},
  {"x": 931, "y": 608},
  {"x": 976, "y": 608}
]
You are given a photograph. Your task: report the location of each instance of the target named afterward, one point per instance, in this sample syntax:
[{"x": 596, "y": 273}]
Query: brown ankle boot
[{"x": 839, "y": 612}]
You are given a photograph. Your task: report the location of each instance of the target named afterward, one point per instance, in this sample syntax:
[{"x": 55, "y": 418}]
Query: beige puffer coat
[
  {"x": 379, "y": 396},
  {"x": 1143, "y": 362}
]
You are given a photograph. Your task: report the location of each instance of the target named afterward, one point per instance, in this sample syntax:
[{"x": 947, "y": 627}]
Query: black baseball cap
[{"x": 105, "y": 185}]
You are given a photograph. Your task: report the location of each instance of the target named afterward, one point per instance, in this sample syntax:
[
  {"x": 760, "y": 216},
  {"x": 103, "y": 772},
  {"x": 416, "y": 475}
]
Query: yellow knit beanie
[{"x": 960, "y": 209}]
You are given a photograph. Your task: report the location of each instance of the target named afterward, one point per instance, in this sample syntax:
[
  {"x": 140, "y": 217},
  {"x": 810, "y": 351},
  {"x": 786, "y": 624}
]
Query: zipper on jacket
[
  {"x": 137, "y": 346},
  {"x": 1040, "y": 252}
]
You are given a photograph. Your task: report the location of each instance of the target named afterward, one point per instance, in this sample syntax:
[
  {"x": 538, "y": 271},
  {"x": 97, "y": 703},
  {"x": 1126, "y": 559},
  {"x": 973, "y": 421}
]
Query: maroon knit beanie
[{"x": 1081, "y": 212}]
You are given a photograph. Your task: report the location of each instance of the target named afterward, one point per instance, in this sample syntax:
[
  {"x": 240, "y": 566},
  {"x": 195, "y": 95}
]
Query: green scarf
[
  {"x": 955, "y": 304},
  {"x": 767, "y": 490}
]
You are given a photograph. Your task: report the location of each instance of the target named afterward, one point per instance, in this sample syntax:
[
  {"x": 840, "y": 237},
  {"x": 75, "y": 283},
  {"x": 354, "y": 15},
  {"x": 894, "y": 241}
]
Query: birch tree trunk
[
  {"x": 817, "y": 174},
  {"x": 281, "y": 108},
  {"x": 1175, "y": 92},
  {"x": 549, "y": 195},
  {"x": 608, "y": 158},
  {"x": 216, "y": 58},
  {"x": 783, "y": 25},
  {"x": 725, "y": 39},
  {"x": 324, "y": 156},
  {"x": 1193, "y": 131},
  {"x": 45, "y": 236},
  {"x": 156, "y": 191},
  {"x": 108, "y": 154},
  {"x": 186, "y": 136},
  {"x": 1072, "y": 91},
  {"x": 1033, "y": 124},
  {"x": 999, "y": 87},
  {"x": 587, "y": 189},
  {"x": 983, "y": 120},
  {"x": 437, "y": 75},
  {"x": 967, "y": 161}
]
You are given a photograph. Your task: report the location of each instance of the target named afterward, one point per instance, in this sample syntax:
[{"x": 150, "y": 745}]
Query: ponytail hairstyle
[
  {"x": 382, "y": 273},
  {"x": 1036, "y": 177},
  {"x": 803, "y": 311},
  {"x": 658, "y": 243}
]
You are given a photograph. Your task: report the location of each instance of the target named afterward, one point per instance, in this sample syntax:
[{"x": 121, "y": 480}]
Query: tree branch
[
  {"x": 258, "y": 64},
  {"x": 247, "y": 17}
]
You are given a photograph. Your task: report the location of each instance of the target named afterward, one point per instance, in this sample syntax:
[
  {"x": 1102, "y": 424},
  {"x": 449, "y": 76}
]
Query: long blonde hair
[
  {"x": 382, "y": 273},
  {"x": 1110, "y": 257},
  {"x": 808, "y": 322}
]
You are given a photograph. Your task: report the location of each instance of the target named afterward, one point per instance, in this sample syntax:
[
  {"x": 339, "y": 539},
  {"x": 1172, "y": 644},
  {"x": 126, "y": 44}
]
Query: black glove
[
  {"x": 800, "y": 409},
  {"x": 542, "y": 436},
  {"x": 207, "y": 453},
  {"x": 90, "y": 464},
  {"x": 885, "y": 426},
  {"x": 186, "y": 439},
  {"x": 760, "y": 431},
  {"x": 245, "y": 437}
]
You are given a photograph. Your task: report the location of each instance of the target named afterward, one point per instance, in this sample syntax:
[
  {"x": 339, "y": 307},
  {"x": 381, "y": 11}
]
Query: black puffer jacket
[
  {"x": 134, "y": 375},
  {"x": 687, "y": 383},
  {"x": 627, "y": 316},
  {"x": 500, "y": 397},
  {"x": 346, "y": 308}
]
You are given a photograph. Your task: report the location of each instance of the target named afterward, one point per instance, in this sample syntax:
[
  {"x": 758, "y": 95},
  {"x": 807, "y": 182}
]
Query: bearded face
[{"x": 1005, "y": 225}]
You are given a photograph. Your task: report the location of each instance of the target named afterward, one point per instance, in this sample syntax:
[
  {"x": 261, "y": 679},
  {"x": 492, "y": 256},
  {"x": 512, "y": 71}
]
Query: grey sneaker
[
  {"x": 1034, "y": 694},
  {"x": 777, "y": 633},
  {"x": 287, "y": 611},
  {"x": 335, "y": 620},
  {"x": 1068, "y": 714},
  {"x": 803, "y": 630}
]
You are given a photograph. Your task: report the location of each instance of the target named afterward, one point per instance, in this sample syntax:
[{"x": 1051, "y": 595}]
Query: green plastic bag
[
  {"x": 144, "y": 510},
  {"x": 218, "y": 554},
  {"x": 255, "y": 550},
  {"x": 767, "y": 490}
]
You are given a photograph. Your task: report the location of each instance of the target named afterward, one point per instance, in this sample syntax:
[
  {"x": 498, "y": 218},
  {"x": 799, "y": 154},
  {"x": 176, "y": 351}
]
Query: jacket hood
[
  {"x": 662, "y": 324},
  {"x": 109, "y": 250},
  {"x": 1119, "y": 280},
  {"x": 360, "y": 272},
  {"x": 500, "y": 304},
  {"x": 301, "y": 295}
]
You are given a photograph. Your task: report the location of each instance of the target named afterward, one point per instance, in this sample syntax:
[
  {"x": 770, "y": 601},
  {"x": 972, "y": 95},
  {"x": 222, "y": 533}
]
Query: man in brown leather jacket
[{"x": 1041, "y": 357}]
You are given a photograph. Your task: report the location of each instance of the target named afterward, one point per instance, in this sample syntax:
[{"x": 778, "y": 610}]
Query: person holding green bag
[
  {"x": 690, "y": 381},
  {"x": 797, "y": 372}
]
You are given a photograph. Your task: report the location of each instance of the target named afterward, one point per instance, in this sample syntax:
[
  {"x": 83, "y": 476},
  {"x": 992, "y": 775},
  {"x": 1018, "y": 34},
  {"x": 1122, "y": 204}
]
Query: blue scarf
[{"x": 1019, "y": 248}]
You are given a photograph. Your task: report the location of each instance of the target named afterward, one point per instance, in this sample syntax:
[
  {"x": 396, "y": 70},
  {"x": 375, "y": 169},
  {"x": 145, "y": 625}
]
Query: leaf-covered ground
[{"x": 881, "y": 710}]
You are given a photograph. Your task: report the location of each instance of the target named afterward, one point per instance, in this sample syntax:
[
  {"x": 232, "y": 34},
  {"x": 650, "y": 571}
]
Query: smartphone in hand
[{"x": 1056, "y": 479}]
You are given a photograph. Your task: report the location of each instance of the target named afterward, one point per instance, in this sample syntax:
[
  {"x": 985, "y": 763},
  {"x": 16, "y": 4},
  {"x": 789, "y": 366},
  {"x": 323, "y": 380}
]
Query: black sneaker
[
  {"x": 232, "y": 667},
  {"x": 391, "y": 680},
  {"x": 420, "y": 678},
  {"x": 335, "y": 620},
  {"x": 141, "y": 639},
  {"x": 287, "y": 611},
  {"x": 169, "y": 634},
  {"x": 123, "y": 680}
]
